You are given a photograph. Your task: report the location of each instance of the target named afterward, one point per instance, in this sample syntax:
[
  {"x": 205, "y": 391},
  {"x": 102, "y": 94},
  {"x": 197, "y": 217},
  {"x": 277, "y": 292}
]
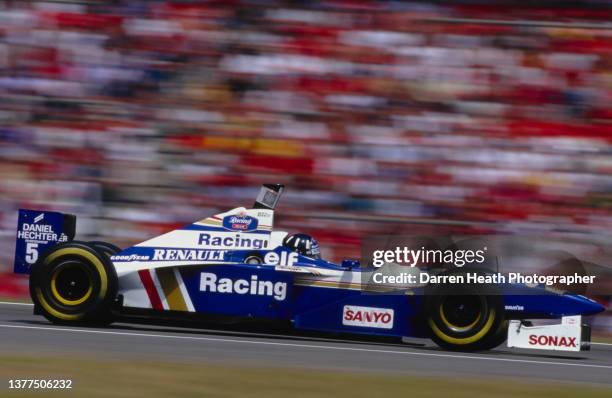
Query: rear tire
[
  {"x": 73, "y": 283},
  {"x": 104, "y": 247}
]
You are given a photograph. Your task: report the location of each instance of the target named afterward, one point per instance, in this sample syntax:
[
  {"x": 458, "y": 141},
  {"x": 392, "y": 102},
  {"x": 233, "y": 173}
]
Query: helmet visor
[{"x": 314, "y": 252}]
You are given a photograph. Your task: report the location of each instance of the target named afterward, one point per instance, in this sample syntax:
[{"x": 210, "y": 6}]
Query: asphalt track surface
[{"x": 24, "y": 333}]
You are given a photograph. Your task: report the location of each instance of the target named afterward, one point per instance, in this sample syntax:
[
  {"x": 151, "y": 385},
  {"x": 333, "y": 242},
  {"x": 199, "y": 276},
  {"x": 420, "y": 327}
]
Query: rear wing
[{"x": 37, "y": 231}]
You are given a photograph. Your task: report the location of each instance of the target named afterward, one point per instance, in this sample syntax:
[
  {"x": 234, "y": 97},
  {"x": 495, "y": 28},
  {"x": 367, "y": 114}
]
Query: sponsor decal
[
  {"x": 236, "y": 241},
  {"x": 514, "y": 308},
  {"x": 571, "y": 320},
  {"x": 240, "y": 222},
  {"x": 552, "y": 341},
  {"x": 286, "y": 259},
  {"x": 33, "y": 238},
  {"x": 368, "y": 317},
  {"x": 129, "y": 257},
  {"x": 209, "y": 282},
  {"x": 188, "y": 255},
  {"x": 37, "y": 232}
]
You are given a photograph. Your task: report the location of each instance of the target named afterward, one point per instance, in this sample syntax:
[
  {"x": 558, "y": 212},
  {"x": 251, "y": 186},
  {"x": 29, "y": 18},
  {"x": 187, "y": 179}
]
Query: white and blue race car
[{"x": 233, "y": 266}]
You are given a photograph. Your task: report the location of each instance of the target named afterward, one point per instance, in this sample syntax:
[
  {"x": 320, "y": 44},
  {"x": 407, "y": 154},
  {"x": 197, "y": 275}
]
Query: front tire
[
  {"x": 465, "y": 317},
  {"x": 73, "y": 283}
]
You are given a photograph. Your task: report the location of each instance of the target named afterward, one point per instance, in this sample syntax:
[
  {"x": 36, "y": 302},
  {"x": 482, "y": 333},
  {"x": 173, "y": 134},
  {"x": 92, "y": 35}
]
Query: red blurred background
[{"x": 380, "y": 117}]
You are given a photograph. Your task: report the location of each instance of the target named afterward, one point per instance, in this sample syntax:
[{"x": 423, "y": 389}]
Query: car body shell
[
  {"x": 234, "y": 264},
  {"x": 202, "y": 268}
]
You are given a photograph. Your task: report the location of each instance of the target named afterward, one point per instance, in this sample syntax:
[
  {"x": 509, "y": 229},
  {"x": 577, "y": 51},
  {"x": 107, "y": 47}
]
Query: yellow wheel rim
[
  {"x": 454, "y": 327},
  {"x": 94, "y": 261},
  {"x": 464, "y": 340},
  {"x": 62, "y": 299}
]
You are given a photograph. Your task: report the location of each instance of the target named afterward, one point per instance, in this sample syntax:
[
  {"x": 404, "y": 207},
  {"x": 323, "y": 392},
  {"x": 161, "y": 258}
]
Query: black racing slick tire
[
  {"x": 465, "y": 317},
  {"x": 107, "y": 248},
  {"x": 73, "y": 283}
]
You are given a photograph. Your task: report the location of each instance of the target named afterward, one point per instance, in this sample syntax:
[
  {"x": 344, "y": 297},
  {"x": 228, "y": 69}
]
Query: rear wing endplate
[{"x": 37, "y": 231}]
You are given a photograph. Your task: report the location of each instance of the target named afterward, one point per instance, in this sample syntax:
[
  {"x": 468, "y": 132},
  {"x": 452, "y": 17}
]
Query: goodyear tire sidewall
[
  {"x": 108, "y": 249},
  {"x": 101, "y": 277},
  {"x": 476, "y": 335},
  {"x": 487, "y": 323}
]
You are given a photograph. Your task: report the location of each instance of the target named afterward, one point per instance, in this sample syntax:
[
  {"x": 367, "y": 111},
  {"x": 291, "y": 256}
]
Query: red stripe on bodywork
[{"x": 147, "y": 281}]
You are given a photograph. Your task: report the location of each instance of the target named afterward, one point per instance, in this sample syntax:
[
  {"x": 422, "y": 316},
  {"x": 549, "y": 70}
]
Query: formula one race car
[{"x": 233, "y": 266}]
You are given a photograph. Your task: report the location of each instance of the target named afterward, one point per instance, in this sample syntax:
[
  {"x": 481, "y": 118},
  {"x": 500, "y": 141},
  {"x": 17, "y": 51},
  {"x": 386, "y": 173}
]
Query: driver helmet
[{"x": 303, "y": 244}]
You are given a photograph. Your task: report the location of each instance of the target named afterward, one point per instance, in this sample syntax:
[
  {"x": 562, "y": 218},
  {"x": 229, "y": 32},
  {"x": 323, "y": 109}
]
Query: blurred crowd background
[{"x": 379, "y": 116}]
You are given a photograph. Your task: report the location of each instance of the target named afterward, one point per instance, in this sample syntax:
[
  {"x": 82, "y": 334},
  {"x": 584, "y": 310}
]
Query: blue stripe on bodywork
[{"x": 197, "y": 227}]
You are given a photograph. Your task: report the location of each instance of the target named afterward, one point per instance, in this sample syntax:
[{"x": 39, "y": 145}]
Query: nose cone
[
  {"x": 547, "y": 304},
  {"x": 581, "y": 305}
]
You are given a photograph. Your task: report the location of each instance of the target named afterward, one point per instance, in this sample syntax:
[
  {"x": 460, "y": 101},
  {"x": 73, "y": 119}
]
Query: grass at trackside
[
  {"x": 602, "y": 338},
  {"x": 15, "y": 300},
  {"x": 114, "y": 378}
]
